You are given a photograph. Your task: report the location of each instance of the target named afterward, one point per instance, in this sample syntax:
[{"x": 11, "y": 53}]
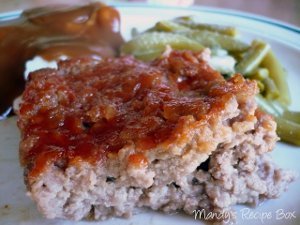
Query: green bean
[
  {"x": 278, "y": 74},
  {"x": 271, "y": 91},
  {"x": 288, "y": 126},
  {"x": 148, "y": 46},
  {"x": 253, "y": 57},
  {"x": 224, "y": 30},
  {"x": 260, "y": 74},
  {"x": 292, "y": 116},
  {"x": 169, "y": 26},
  {"x": 266, "y": 85},
  {"x": 260, "y": 85},
  {"x": 212, "y": 40},
  {"x": 148, "y": 55},
  {"x": 288, "y": 131},
  {"x": 184, "y": 19}
]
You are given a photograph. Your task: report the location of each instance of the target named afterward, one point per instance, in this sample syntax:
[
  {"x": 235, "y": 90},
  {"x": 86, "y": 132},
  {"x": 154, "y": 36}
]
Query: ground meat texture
[{"x": 102, "y": 139}]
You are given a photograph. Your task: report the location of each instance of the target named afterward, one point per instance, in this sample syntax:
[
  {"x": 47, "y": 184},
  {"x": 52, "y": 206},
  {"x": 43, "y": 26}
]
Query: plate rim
[
  {"x": 246, "y": 15},
  {"x": 223, "y": 11}
]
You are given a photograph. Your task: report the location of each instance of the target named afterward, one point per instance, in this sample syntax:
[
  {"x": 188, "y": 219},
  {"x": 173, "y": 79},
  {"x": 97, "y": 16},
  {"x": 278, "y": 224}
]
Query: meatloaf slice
[{"x": 102, "y": 139}]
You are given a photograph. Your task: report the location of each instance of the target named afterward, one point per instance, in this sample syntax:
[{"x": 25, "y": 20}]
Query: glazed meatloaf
[{"x": 107, "y": 138}]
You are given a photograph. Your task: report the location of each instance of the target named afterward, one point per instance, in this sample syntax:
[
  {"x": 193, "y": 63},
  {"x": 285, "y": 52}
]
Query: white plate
[{"x": 17, "y": 209}]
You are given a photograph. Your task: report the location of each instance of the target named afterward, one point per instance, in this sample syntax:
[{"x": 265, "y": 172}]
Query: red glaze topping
[{"x": 86, "y": 115}]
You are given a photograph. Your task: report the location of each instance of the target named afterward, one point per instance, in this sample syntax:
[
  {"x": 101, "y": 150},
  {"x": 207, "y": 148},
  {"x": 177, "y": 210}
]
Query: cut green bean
[
  {"x": 148, "y": 46},
  {"x": 278, "y": 74},
  {"x": 188, "y": 22},
  {"x": 292, "y": 116},
  {"x": 213, "y": 40},
  {"x": 288, "y": 131},
  {"x": 253, "y": 57},
  {"x": 271, "y": 92},
  {"x": 260, "y": 74},
  {"x": 266, "y": 85},
  {"x": 288, "y": 127},
  {"x": 169, "y": 26},
  {"x": 260, "y": 85}
]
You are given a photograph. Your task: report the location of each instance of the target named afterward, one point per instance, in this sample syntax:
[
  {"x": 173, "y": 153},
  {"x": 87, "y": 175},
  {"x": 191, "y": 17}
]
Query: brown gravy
[{"x": 50, "y": 32}]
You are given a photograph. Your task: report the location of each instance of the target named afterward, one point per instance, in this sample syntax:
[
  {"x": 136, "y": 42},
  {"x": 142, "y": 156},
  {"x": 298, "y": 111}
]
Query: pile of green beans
[{"x": 255, "y": 61}]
